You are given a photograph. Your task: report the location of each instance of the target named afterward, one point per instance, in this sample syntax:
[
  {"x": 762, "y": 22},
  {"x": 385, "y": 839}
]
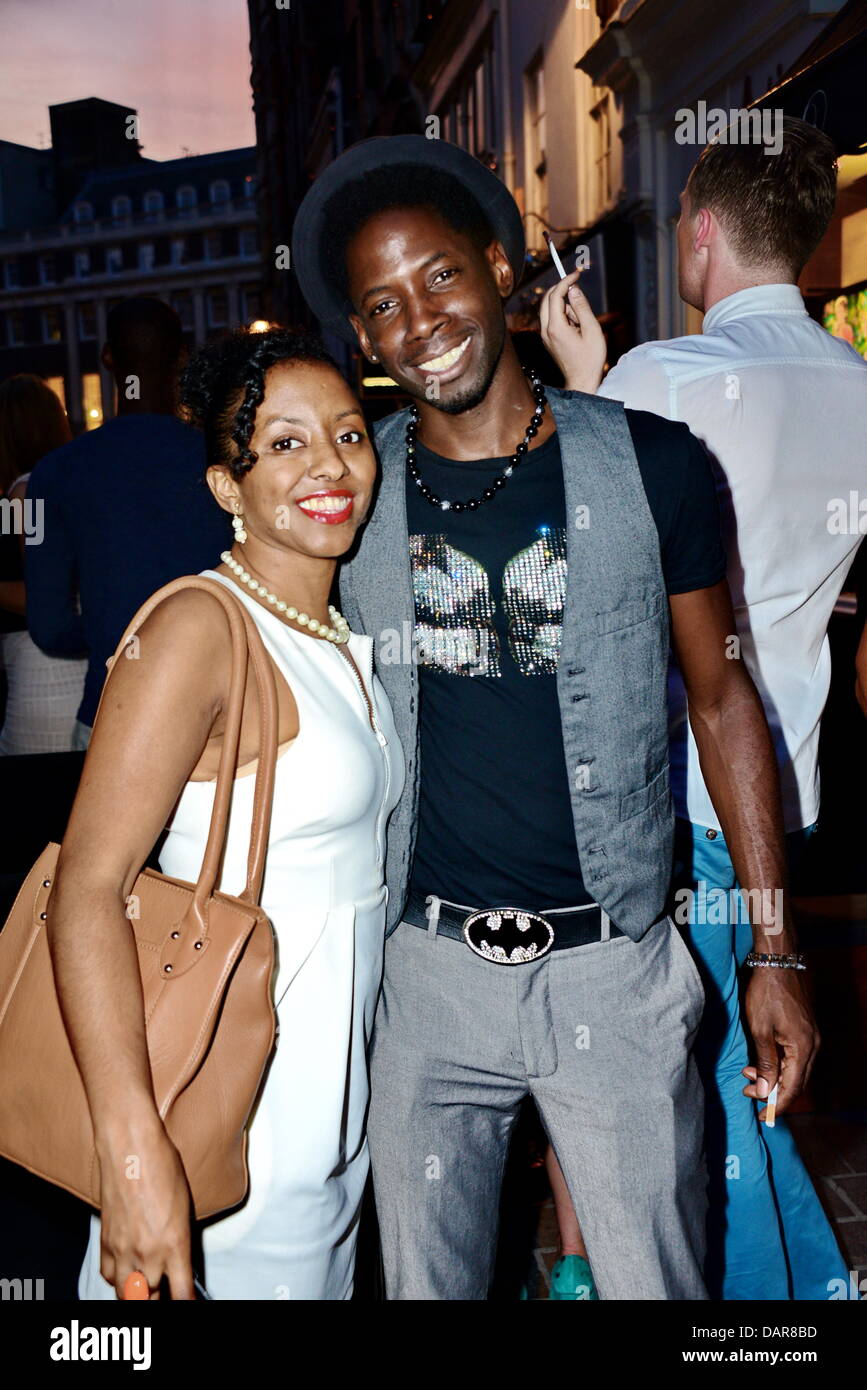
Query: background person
[
  {"x": 126, "y": 507},
  {"x": 42, "y": 692}
]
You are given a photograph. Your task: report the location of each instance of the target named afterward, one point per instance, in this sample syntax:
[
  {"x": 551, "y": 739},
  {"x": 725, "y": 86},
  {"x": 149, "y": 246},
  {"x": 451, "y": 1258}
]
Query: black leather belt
[{"x": 511, "y": 935}]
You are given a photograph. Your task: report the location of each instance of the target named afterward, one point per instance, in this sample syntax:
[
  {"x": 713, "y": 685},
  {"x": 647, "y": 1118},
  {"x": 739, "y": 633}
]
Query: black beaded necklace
[{"x": 501, "y": 479}]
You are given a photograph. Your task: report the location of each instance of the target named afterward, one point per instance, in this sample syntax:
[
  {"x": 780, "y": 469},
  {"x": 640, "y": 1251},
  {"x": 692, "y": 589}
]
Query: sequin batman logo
[
  {"x": 455, "y": 608},
  {"x": 508, "y": 936}
]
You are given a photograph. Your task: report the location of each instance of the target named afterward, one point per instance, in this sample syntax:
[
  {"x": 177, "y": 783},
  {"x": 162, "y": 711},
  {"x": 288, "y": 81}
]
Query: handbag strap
[{"x": 246, "y": 644}]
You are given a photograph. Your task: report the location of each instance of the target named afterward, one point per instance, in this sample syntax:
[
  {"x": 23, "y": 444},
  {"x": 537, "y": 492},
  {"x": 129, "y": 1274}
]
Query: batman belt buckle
[{"x": 508, "y": 935}]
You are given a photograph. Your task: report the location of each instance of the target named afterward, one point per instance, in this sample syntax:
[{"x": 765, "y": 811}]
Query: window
[
  {"x": 47, "y": 270},
  {"x": 121, "y": 208},
  {"x": 146, "y": 255},
  {"x": 12, "y": 275},
  {"x": 252, "y": 301},
  {"x": 91, "y": 400},
  {"x": 153, "y": 204},
  {"x": 58, "y": 386},
  {"x": 52, "y": 331},
  {"x": 82, "y": 212},
  {"x": 536, "y": 173},
  {"x": 82, "y": 264},
  {"x": 248, "y": 243},
  {"x": 86, "y": 321},
  {"x": 220, "y": 192},
  {"x": 183, "y": 307},
  {"x": 179, "y": 250},
  {"x": 218, "y": 309},
  {"x": 468, "y": 115},
  {"x": 601, "y": 114},
  {"x": 213, "y": 246},
  {"x": 186, "y": 198},
  {"x": 15, "y": 331},
  {"x": 249, "y": 186},
  {"x": 114, "y": 260}
]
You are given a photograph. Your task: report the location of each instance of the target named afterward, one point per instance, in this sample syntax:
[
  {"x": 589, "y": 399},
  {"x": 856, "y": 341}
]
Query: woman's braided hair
[{"x": 224, "y": 384}]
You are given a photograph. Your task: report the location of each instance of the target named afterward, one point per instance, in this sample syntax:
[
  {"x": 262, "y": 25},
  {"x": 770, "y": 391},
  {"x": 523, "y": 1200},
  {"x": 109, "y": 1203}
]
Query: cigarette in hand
[
  {"x": 558, "y": 264},
  {"x": 771, "y": 1111}
]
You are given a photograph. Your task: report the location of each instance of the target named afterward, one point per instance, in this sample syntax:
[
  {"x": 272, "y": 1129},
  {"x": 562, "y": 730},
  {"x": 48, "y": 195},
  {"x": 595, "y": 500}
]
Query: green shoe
[{"x": 572, "y": 1278}]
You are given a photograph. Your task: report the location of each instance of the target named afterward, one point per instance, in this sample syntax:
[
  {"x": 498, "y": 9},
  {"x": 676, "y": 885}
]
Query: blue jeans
[{"x": 768, "y": 1236}]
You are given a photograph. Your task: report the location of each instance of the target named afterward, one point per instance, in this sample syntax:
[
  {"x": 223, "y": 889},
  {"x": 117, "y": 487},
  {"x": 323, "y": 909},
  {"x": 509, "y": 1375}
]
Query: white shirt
[{"x": 781, "y": 407}]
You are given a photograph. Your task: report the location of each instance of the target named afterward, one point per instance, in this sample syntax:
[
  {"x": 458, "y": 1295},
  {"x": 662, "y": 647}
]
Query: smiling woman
[{"x": 289, "y": 456}]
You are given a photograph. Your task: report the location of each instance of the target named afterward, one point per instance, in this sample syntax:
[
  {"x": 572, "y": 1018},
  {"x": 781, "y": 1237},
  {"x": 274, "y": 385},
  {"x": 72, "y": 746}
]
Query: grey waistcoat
[{"x": 611, "y": 675}]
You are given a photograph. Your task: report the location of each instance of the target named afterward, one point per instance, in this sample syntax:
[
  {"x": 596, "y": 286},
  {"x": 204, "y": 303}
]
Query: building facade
[
  {"x": 656, "y": 59},
  {"x": 501, "y": 79},
  {"x": 183, "y": 230},
  {"x": 323, "y": 77},
  {"x": 574, "y": 103}
]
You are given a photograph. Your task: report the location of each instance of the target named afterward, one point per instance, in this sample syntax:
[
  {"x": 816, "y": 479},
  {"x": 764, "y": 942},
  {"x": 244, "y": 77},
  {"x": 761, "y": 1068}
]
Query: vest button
[{"x": 711, "y": 834}]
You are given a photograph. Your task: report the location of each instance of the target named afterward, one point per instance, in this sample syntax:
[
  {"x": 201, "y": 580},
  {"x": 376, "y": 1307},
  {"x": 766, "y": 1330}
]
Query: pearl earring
[{"x": 238, "y": 527}]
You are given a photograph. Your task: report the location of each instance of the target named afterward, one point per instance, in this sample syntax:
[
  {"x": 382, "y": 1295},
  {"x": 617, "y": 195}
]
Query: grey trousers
[{"x": 600, "y": 1036}]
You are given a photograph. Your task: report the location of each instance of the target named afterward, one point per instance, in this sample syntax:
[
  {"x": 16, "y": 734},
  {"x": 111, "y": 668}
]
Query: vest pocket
[
  {"x": 634, "y": 610},
  {"x": 636, "y": 802}
]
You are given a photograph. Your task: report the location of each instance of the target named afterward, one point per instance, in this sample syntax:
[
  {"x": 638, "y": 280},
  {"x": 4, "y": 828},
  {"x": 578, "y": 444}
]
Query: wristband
[{"x": 789, "y": 960}]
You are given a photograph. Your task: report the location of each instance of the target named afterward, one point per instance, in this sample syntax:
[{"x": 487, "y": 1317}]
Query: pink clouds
[{"x": 183, "y": 64}]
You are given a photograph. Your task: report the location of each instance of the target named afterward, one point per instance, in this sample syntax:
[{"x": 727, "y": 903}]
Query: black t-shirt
[{"x": 495, "y": 813}]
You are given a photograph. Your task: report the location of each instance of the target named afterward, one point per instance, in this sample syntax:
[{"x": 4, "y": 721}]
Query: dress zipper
[{"x": 360, "y": 683}]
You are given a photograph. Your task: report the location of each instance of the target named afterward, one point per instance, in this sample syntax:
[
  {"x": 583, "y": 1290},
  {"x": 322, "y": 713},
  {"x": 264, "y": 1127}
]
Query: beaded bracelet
[{"x": 792, "y": 960}]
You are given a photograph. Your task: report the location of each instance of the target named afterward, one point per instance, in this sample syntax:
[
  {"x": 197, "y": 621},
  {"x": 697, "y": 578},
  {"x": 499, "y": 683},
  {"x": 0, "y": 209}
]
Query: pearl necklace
[
  {"x": 521, "y": 451},
  {"x": 337, "y": 634}
]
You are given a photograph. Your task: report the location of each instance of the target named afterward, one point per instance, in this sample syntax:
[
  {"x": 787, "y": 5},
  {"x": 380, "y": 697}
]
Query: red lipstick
[{"x": 331, "y": 516}]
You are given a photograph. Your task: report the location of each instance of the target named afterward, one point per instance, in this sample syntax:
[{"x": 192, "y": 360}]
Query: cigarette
[
  {"x": 771, "y": 1112},
  {"x": 554, "y": 257}
]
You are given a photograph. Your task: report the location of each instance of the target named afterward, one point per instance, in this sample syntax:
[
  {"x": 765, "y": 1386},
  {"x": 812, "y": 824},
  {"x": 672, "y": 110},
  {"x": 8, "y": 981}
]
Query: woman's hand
[
  {"x": 571, "y": 333},
  {"x": 146, "y": 1214}
]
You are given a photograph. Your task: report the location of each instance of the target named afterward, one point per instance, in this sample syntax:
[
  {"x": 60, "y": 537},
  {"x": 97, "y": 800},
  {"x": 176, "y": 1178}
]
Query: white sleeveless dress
[{"x": 324, "y": 891}]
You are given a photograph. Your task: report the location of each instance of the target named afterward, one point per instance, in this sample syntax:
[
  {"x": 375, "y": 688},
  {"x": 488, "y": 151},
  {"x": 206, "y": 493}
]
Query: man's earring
[
  {"x": 238, "y": 525},
  {"x": 373, "y": 357}
]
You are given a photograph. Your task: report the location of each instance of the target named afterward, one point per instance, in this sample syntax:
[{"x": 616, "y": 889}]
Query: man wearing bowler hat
[{"x": 542, "y": 547}]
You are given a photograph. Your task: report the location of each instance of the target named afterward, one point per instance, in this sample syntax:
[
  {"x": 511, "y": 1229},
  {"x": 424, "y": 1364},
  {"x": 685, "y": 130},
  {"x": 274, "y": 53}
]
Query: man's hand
[
  {"x": 784, "y": 1032},
  {"x": 571, "y": 333}
]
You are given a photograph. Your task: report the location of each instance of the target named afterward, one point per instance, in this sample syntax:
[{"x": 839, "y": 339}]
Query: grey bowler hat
[{"x": 309, "y": 234}]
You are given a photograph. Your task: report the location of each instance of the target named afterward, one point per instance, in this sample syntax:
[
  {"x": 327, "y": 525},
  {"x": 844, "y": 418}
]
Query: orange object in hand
[{"x": 136, "y": 1286}]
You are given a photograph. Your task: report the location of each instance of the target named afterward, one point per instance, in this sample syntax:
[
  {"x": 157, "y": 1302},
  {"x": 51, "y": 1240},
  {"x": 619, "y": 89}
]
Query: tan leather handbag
[{"x": 206, "y": 963}]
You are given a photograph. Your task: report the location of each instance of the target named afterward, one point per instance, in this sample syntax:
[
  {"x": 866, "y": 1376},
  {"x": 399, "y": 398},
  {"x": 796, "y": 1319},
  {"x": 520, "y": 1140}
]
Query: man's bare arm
[{"x": 739, "y": 767}]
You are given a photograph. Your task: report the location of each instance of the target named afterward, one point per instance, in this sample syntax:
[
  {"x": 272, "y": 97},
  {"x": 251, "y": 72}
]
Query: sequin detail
[
  {"x": 454, "y": 609},
  {"x": 534, "y": 590}
]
